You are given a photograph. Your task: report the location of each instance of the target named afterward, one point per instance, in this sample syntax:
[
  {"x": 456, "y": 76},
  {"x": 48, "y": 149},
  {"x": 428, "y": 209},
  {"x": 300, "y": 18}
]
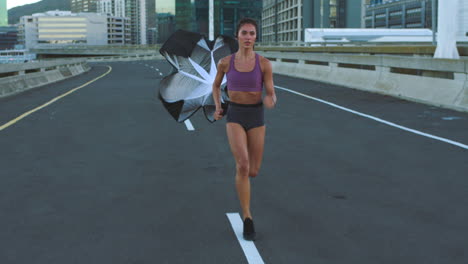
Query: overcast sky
[{"x": 14, "y": 3}]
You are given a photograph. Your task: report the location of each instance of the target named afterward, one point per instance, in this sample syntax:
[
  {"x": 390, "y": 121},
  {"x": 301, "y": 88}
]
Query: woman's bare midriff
[{"x": 245, "y": 97}]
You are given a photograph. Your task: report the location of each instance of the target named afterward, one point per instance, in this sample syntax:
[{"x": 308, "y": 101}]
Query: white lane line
[
  {"x": 189, "y": 125},
  {"x": 250, "y": 251},
  {"x": 455, "y": 143},
  {"x": 160, "y": 74},
  {"x": 157, "y": 69}
]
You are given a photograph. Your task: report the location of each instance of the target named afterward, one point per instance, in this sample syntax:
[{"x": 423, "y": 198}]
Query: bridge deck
[{"x": 104, "y": 175}]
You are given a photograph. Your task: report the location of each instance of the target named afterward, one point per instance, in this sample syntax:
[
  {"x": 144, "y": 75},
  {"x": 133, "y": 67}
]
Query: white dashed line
[
  {"x": 458, "y": 144},
  {"x": 189, "y": 125},
  {"x": 250, "y": 251}
]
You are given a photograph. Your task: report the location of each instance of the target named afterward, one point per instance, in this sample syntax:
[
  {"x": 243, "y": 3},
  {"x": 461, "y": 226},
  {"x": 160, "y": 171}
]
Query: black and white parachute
[{"x": 194, "y": 59}]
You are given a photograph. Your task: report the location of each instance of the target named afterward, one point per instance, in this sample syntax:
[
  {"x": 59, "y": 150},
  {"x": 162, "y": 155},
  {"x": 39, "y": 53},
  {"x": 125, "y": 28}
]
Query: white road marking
[
  {"x": 449, "y": 118},
  {"x": 157, "y": 69},
  {"x": 189, "y": 125},
  {"x": 250, "y": 251},
  {"x": 455, "y": 143},
  {"x": 160, "y": 74}
]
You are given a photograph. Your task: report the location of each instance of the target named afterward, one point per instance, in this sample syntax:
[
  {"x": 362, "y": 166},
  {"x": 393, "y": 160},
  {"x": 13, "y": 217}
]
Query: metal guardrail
[
  {"x": 17, "y": 59},
  {"x": 96, "y": 47}
]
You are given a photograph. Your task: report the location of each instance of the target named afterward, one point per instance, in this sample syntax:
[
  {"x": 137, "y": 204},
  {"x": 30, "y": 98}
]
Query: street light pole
[
  {"x": 211, "y": 20},
  {"x": 434, "y": 19},
  {"x": 321, "y": 13}
]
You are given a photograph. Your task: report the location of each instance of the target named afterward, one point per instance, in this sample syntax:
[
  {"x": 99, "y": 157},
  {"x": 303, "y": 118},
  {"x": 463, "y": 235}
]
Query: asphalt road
[{"x": 105, "y": 175}]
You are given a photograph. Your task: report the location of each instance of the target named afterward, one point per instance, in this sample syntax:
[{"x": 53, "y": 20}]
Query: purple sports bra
[{"x": 245, "y": 81}]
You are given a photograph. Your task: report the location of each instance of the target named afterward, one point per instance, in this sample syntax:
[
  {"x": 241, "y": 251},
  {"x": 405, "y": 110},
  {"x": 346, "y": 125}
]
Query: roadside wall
[
  {"x": 439, "y": 82},
  {"x": 16, "y": 78}
]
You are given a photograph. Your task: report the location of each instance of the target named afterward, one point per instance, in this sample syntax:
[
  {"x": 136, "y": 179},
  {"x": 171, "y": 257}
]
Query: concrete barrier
[
  {"x": 16, "y": 78},
  {"x": 439, "y": 82},
  {"x": 156, "y": 56}
]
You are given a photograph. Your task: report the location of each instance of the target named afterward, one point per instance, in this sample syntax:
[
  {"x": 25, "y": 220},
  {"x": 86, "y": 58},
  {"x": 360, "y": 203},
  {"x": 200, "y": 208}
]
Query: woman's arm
[
  {"x": 221, "y": 70},
  {"x": 270, "y": 98}
]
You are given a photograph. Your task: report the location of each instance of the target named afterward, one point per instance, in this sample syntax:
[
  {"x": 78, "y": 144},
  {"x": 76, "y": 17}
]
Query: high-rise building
[
  {"x": 344, "y": 13},
  {"x": 399, "y": 14},
  {"x": 166, "y": 26},
  {"x": 226, "y": 15},
  {"x": 3, "y": 14},
  {"x": 193, "y": 15},
  {"x": 114, "y": 7},
  {"x": 8, "y": 37},
  {"x": 172, "y": 15},
  {"x": 65, "y": 28},
  {"x": 285, "y": 20},
  {"x": 136, "y": 11},
  {"x": 184, "y": 14},
  {"x": 150, "y": 21},
  {"x": 78, "y": 6},
  {"x": 140, "y": 12}
]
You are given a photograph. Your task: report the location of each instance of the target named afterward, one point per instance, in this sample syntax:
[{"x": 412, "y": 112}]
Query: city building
[
  {"x": 344, "y": 13},
  {"x": 150, "y": 21},
  {"x": 142, "y": 15},
  {"x": 193, "y": 15},
  {"x": 3, "y": 13},
  {"x": 136, "y": 11},
  {"x": 79, "y": 6},
  {"x": 112, "y": 7},
  {"x": 172, "y": 15},
  {"x": 183, "y": 14},
  {"x": 227, "y": 15},
  {"x": 399, "y": 14},
  {"x": 285, "y": 20},
  {"x": 8, "y": 37},
  {"x": 65, "y": 28}
]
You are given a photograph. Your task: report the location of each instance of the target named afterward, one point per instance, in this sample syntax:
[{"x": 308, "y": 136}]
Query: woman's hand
[
  {"x": 269, "y": 101},
  {"x": 218, "y": 114}
]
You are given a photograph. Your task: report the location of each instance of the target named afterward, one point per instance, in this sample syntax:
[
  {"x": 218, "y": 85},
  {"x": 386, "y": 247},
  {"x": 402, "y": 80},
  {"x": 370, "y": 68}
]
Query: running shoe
[{"x": 249, "y": 230}]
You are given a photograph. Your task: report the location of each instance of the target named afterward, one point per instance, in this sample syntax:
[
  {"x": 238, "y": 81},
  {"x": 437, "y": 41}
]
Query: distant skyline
[
  {"x": 164, "y": 6},
  {"x": 15, "y": 3}
]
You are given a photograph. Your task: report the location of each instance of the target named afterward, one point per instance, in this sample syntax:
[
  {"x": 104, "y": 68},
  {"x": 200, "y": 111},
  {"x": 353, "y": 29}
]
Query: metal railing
[{"x": 17, "y": 59}]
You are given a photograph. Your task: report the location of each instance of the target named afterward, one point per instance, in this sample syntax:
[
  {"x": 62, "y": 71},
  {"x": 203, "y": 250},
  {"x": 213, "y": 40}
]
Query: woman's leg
[
  {"x": 255, "y": 143},
  {"x": 238, "y": 142}
]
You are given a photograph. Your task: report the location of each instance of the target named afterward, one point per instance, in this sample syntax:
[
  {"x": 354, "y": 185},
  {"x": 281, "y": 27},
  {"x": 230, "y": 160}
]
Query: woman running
[{"x": 247, "y": 73}]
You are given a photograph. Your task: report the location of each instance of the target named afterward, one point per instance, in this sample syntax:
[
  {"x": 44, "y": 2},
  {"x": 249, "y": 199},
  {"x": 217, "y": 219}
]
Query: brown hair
[{"x": 244, "y": 21}]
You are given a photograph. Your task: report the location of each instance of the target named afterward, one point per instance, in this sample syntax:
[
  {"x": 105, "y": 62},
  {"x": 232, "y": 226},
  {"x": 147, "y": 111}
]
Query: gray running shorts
[{"x": 247, "y": 115}]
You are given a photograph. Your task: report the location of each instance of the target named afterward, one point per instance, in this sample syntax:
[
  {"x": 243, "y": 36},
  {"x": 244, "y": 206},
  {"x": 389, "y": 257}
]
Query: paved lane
[{"x": 106, "y": 176}]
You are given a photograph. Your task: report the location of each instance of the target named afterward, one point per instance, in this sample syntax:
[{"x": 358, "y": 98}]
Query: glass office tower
[
  {"x": 193, "y": 15},
  {"x": 78, "y": 6},
  {"x": 3, "y": 14},
  {"x": 226, "y": 15}
]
